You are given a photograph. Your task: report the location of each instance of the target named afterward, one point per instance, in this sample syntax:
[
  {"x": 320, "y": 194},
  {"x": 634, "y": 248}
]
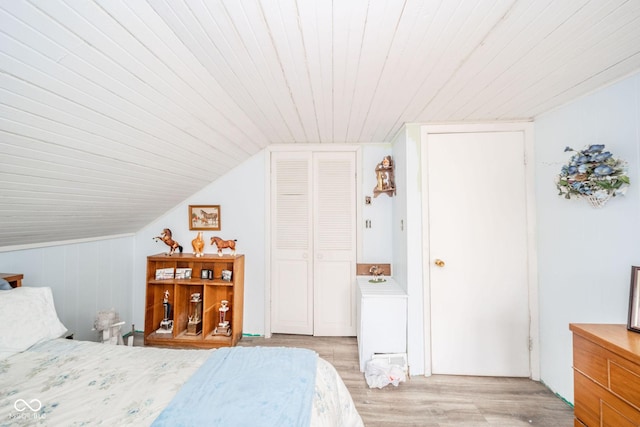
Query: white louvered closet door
[
  {"x": 313, "y": 243},
  {"x": 334, "y": 237},
  {"x": 291, "y": 243}
]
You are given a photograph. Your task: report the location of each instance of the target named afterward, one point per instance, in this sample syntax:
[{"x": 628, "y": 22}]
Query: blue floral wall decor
[{"x": 593, "y": 174}]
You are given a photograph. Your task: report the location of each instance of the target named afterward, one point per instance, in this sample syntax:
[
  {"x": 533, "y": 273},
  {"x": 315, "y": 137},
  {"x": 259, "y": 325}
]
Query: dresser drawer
[
  {"x": 624, "y": 380},
  {"x": 596, "y": 406},
  {"x": 611, "y": 417},
  {"x": 607, "y": 369},
  {"x": 591, "y": 360},
  {"x": 611, "y": 371},
  {"x": 587, "y": 396}
]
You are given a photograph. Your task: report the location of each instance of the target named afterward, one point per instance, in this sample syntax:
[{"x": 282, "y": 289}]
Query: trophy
[
  {"x": 223, "y": 326},
  {"x": 166, "y": 325},
  {"x": 194, "y": 326}
]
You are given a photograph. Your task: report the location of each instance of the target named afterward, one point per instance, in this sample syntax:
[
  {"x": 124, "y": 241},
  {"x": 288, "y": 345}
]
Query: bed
[{"x": 48, "y": 380}]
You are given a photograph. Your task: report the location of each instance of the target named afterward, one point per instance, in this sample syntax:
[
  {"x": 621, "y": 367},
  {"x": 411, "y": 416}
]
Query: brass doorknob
[{"x": 439, "y": 263}]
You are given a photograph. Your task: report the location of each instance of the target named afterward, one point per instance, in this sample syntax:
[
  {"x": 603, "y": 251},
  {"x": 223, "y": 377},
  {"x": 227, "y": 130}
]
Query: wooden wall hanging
[{"x": 384, "y": 178}]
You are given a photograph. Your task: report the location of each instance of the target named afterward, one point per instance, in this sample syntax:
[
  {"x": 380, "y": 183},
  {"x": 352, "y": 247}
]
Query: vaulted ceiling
[{"x": 112, "y": 112}]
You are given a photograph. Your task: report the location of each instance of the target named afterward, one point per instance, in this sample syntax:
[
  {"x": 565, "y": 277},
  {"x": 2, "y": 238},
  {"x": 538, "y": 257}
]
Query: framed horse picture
[{"x": 204, "y": 217}]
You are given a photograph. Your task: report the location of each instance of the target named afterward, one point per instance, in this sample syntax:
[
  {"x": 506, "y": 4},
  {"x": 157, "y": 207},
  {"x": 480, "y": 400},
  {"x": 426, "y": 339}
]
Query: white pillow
[{"x": 27, "y": 317}]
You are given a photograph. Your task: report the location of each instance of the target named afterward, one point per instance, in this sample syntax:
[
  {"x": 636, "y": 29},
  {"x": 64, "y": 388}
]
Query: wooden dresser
[
  {"x": 606, "y": 364},
  {"x": 15, "y": 280}
]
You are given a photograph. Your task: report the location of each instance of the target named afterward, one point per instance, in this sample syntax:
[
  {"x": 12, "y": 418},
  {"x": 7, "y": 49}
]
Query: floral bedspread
[{"x": 79, "y": 383}]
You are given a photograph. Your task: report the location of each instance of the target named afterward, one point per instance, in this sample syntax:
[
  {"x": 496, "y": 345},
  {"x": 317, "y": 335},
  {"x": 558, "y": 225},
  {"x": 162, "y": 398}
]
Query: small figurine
[
  {"x": 378, "y": 274},
  {"x": 380, "y": 180},
  {"x": 224, "y": 244},
  {"x": 198, "y": 245},
  {"x": 166, "y": 238}
]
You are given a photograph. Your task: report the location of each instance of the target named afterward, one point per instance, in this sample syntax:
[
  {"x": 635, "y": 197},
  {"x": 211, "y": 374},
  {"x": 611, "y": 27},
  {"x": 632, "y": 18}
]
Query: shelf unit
[
  {"x": 212, "y": 292},
  {"x": 385, "y": 177}
]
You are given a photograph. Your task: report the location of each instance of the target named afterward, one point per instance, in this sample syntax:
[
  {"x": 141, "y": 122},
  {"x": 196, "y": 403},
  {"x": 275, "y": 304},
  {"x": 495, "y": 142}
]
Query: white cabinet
[{"x": 381, "y": 318}]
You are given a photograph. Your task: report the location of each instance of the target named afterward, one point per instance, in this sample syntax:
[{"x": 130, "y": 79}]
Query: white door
[
  {"x": 334, "y": 240},
  {"x": 291, "y": 243},
  {"x": 313, "y": 243},
  {"x": 477, "y": 228}
]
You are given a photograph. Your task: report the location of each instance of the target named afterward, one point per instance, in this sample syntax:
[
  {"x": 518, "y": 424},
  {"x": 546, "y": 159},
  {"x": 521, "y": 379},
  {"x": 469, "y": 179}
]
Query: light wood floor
[{"x": 439, "y": 400}]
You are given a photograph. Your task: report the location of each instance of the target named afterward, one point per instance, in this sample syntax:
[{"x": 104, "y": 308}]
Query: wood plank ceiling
[{"x": 113, "y": 112}]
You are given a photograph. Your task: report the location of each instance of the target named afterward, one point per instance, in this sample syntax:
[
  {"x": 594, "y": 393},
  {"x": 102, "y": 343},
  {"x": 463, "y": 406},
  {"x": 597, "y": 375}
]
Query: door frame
[
  {"x": 527, "y": 129},
  {"x": 312, "y": 147}
]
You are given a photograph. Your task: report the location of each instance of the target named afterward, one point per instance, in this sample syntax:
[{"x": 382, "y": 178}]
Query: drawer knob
[{"x": 439, "y": 263}]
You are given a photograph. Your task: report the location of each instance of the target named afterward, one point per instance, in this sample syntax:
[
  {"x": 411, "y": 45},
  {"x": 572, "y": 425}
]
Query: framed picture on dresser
[{"x": 633, "y": 324}]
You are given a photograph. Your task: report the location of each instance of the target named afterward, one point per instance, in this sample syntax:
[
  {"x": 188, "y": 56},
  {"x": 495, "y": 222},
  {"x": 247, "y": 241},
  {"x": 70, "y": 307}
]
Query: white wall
[
  {"x": 585, "y": 254},
  {"x": 84, "y": 277},
  {"x": 406, "y": 226},
  {"x": 377, "y": 241}
]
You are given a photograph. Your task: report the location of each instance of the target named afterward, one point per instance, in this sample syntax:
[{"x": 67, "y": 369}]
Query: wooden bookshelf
[{"x": 212, "y": 292}]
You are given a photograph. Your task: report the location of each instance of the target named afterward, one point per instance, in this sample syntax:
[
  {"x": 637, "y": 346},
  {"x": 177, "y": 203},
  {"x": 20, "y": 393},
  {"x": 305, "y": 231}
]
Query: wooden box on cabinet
[
  {"x": 212, "y": 292},
  {"x": 606, "y": 363}
]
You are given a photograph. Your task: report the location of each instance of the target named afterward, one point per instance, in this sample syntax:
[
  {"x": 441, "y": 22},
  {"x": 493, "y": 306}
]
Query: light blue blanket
[{"x": 247, "y": 386}]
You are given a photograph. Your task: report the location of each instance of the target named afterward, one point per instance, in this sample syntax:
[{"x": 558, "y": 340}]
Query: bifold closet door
[
  {"x": 291, "y": 243},
  {"x": 334, "y": 238},
  {"x": 313, "y": 243}
]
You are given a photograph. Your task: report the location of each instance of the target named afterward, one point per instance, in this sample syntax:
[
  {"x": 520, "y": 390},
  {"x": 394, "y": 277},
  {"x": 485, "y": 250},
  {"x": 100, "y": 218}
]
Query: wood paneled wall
[{"x": 84, "y": 278}]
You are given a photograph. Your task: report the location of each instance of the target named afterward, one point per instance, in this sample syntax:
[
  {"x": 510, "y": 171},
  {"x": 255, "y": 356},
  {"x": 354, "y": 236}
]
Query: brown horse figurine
[
  {"x": 198, "y": 245},
  {"x": 166, "y": 238},
  {"x": 224, "y": 244}
]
